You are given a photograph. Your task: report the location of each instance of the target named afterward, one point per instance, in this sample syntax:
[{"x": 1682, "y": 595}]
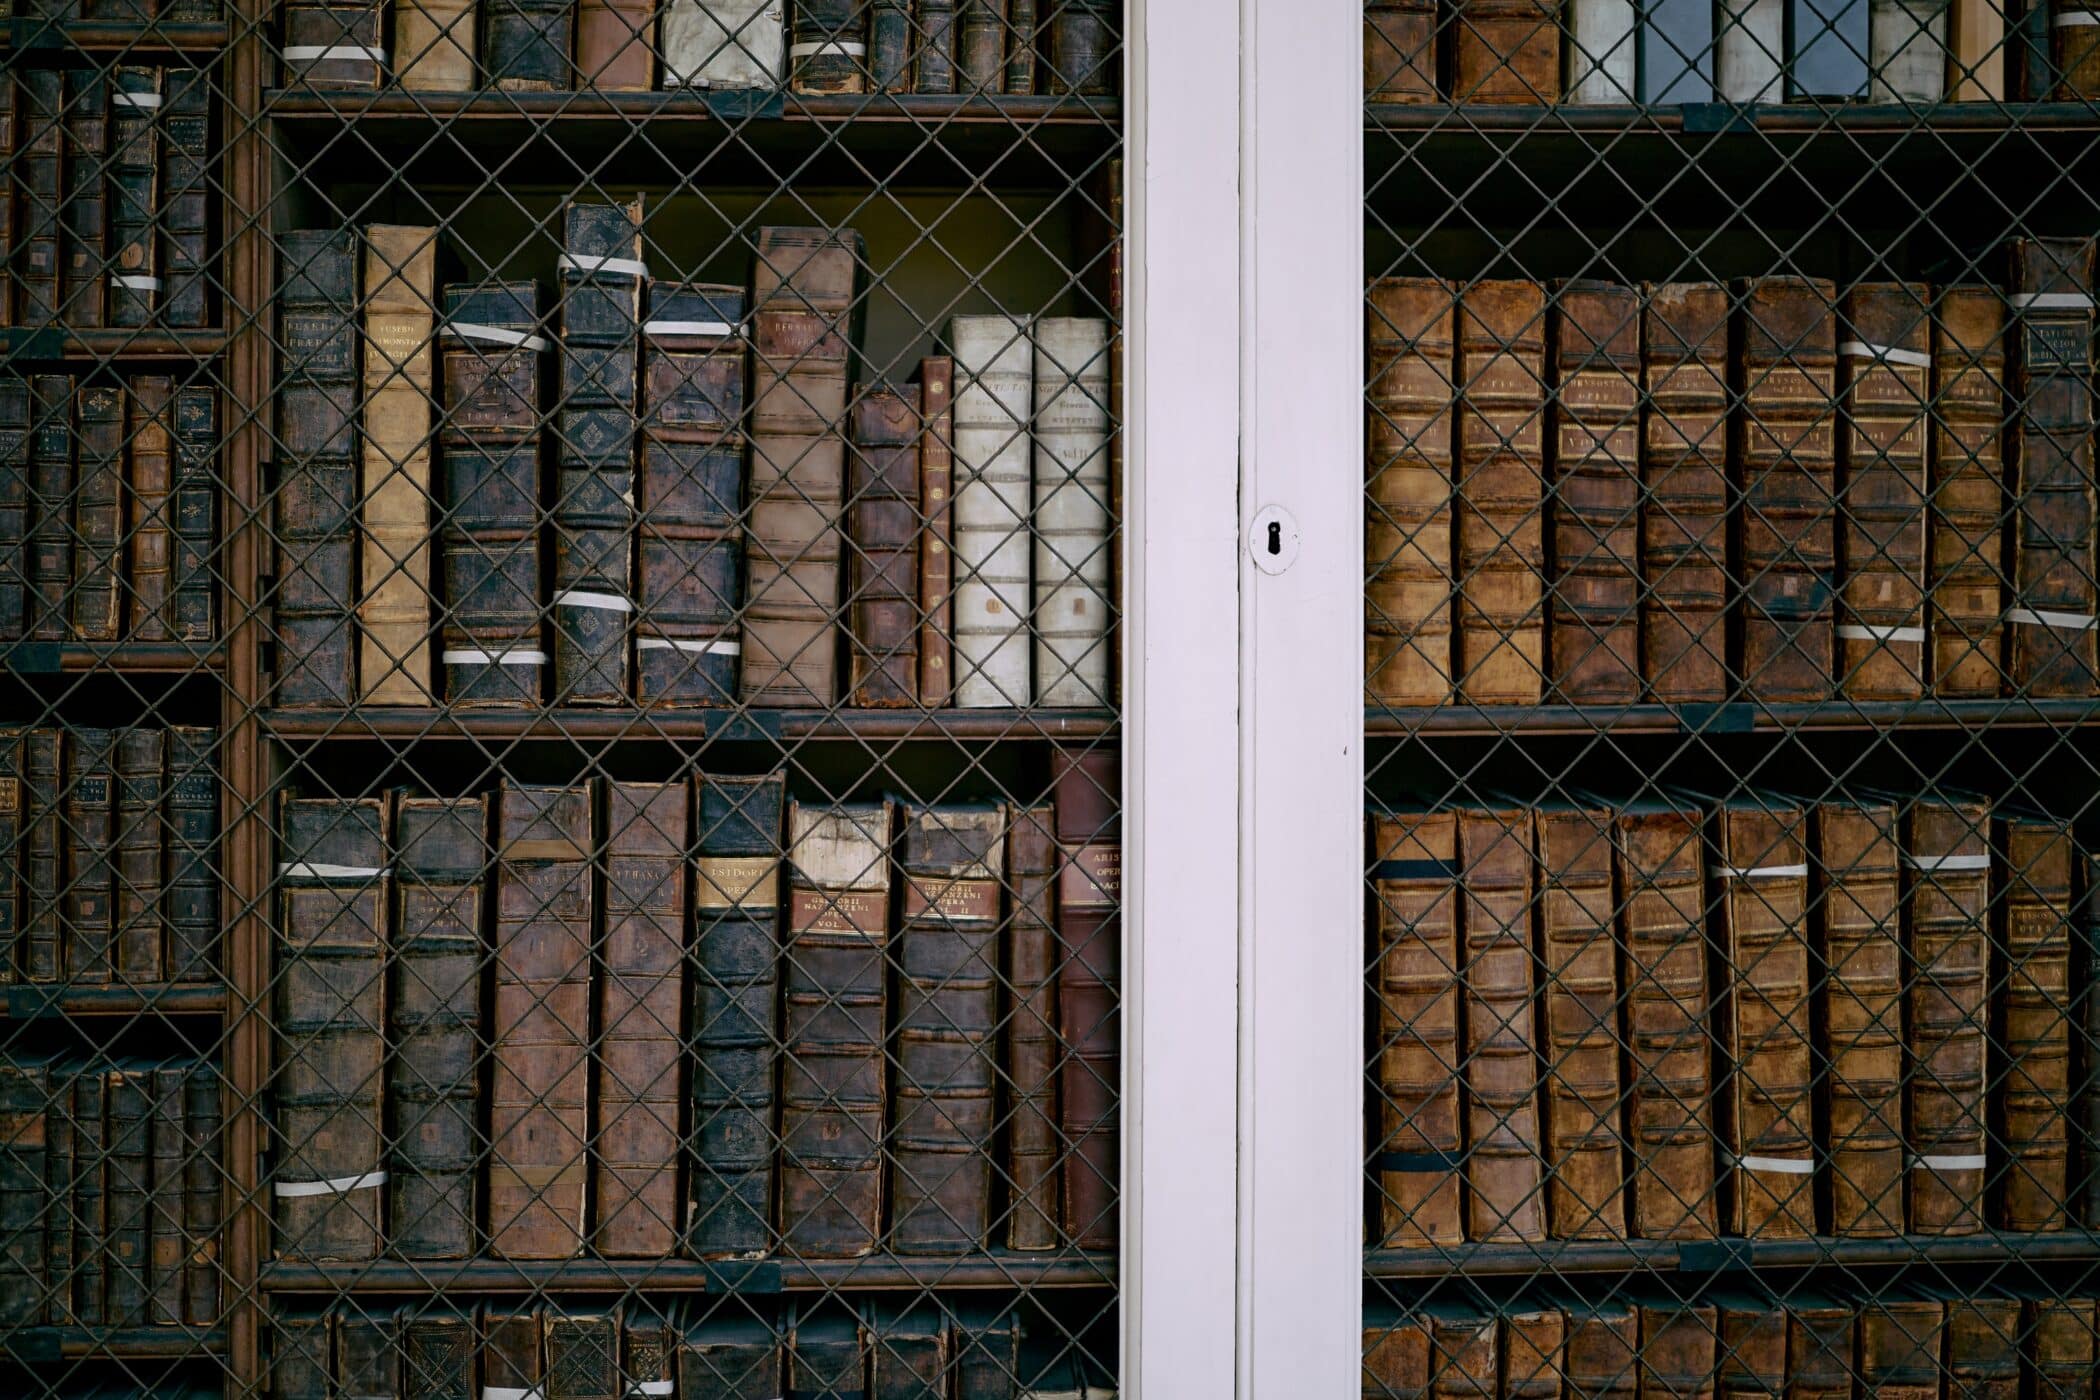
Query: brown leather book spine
[
  {"x": 648, "y": 1350},
  {"x": 512, "y": 1354},
  {"x": 539, "y": 1077},
  {"x": 202, "y": 1178},
  {"x": 60, "y": 1169},
  {"x": 614, "y": 50},
  {"x": 1032, "y": 1048},
  {"x": 1081, "y": 52},
  {"x": 1784, "y": 452},
  {"x": 1417, "y": 1153},
  {"x": 1752, "y": 1347},
  {"x": 1820, "y": 1348},
  {"x": 26, "y": 1204},
  {"x": 438, "y": 1353},
  {"x": 933, "y": 40},
  {"x": 334, "y": 45},
  {"x": 1465, "y": 1354},
  {"x": 1966, "y": 568},
  {"x": 882, "y": 532},
  {"x": 1399, "y": 51},
  {"x": 1685, "y": 496},
  {"x": 1504, "y": 1170},
  {"x": 1585, "y": 1150},
  {"x": 299, "y": 1356},
  {"x": 90, "y": 1160},
  {"x": 150, "y": 485},
  {"x": 393, "y": 606},
  {"x": 130, "y": 183},
  {"x": 1501, "y": 380},
  {"x": 1603, "y": 1343},
  {"x": 1983, "y": 1348},
  {"x": 189, "y": 193},
  {"x": 190, "y": 819},
  {"x": 88, "y": 916},
  {"x": 1087, "y": 792},
  {"x": 15, "y": 578},
  {"x": 951, "y": 865},
  {"x": 50, "y": 505},
  {"x": 1679, "y": 1354},
  {"x": 828, "y": 47},
  {"x": 14, "y": 885},
  {"x": 97, "y": 600},
  {"x": 141, "y": 957},
  {"x": 1505, "y": 51},
  {"x": 2057, "y": 1345},
  {"x": 583, "y": 1354},
  {"x": 1532, "y": 1342},
  {"x": 1396, "y": 1356},
  {"x": 1859, "y": 866},
  {"x": 2032, "y": 1080},
  {"x": 42, "y": 856},
  {"x": 434, "y": 45},
  {"x": 1411, "y": 327},
  {"x": 937, "y": 532},
  {"x": 1595, "y": 607},
  {"x": 84, "y": 213},
  {"x": 165, "y": 1242},
  {"x": 980, "y": 48},
  {"x": 1884, "y": 364},
  {"x": 637, "y": 1057},
  {"x": 128, "y": 1223},
  {"x": 1900, "y": 1348},
  {"x": 1947, "y": 852},
  {"x": 2053, "y": 614},
  {"x": 833, "y": 1077}
]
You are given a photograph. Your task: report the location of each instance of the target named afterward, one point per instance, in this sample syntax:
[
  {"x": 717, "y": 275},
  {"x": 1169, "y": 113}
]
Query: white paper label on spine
[
  {"x": 134, "y": 282},
  {"x": 845, "y": 47},
  {"x": 1949, "y": 862},
  {"x": 1764, "y": 872},
  {"x": 511, "y": 1392},
  {"x": 1863, "y": 632},
  {"x": 1860, "y": 350},
  {"x": 714, "y": 328},
  {"x": 1786, "y": 1166},
  {"x": 2069, "y": 622},
  {"x": 721, "y": 648},
  {"x": 334, "y": 1187},
  {"x": 1950, "y": 1164},
  {"x": 655, "y": 1388},
  {"x": 320, "y": 870},
  {"x": 468, "y": 656},
  {"x": 331, "y": 53},
  {"x": 2050, "y": 301},
  {"x": 501, "y": 335},
  {"x": 2066, "y": 19},
  {"x": 135, "y": 99},
  {"x": 604, "y": 602},
  {"x": 617, "y": 267}
]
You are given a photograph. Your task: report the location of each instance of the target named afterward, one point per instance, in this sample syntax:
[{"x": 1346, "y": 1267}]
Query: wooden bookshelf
[
  {"x": 1708, "y": 1257},
  {"x": 1829, "y": 716},
  {"x": 44, "y": 1345},
  {"x": 25, "y": 345},
  {"x": 27, "y": 1001},
  {"x": 46, "y": 658},
  {"x": 1732, "y": 119},
  {"x": 996, "y": 1269},
  {"x": 28, "y": 38},
  {"x": 729, "y": 725}
]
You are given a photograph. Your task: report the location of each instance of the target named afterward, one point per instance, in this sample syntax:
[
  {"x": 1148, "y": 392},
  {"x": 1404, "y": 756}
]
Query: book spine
[
  {"x": 613, "y": 52},
  {"x": 637, "y": 1054},
  {"x": 511, "y": 1352},
  {"x": 191, "y": 609},
  {"x": 141, "y": 756},
  {"x": 934, "y": 60},
  {"x": 84, "y": 212},
  {"x": 89, "y": 802},
  {"x": 1417, "y": 1153},
  {"x": 2059, "y": 1346},
  {"x": 882, "y": 527},
  {"x": 749, "y": 1349},
  {"x": 52, "y": 402},
  {"x": 14, "y": 883},
  {"x": 909, "y": 1352},
  {"x": 96, "y": 595},
  {"x": 1032, "y": 1047},
  {"x": 951, "y": 864},
  {"x": 1586, "y": 1191},
  {"x": 165, "y": 1243},
  {"x": 1087, "y": 793},
  {"x": 16, "y": 581},
  {"x": 827, "y": 1354},
  {"x": 1752, "y": 1347},
  {"x": 149, "y": 492},
  {"x": 393, "y": 605},
  {"x": 539, "y": 1095},
  {"x": 1505, "y": 1199},
  {"x": 10, "y": 134},
  {"x": 1399, "y": 51},
  {"x": 2086, "y": 1029},
  {"x": 1021, "y": 47},
  {"x": 1679, "y": 1351},
  {"x": 1976, "y": 52},
  {"x": 36, "y": 177},
  {"x": 936, "y": 526},
  {"x": 2032, "y": 1079},
  {"x": 1602, "y": 1347},
  {"x": 736, "y": 1014},
  {"x": 1532, "y": 1344},
  {"x": 190, "y": 822},
  {"x": 60, "y": 1170},
  {"x": 721, "y": 44},
  {"x": 1966, "y": 567},
  {"x": 1820, "y": 1350},
  {"x": 828, "y": 49},
  {"x": 438, "y": 1354},
  {"x": 43, "y": 818},
  {"x": 183, "y": 219},
  {"x": 1407, "y": 544},
  {"x": 1601, "y": 51},
  {"x": 1501, "y": 493},
  {"x": 1983, "y": 1347},
  {"x": 980, "y": 46},
  {"x": 1907, "y": 52},
  {"x": 1861, "y": 1016},
  {"x": 1685, "y": 494},
  {"x": 1593, "y": 615},
  {"x": 1464, "y": 1350},
  {"x": 526, "y": 46},
  {"x": 889, "y": 45},
  {"x": 1901, "y": 1343},
  {"x": 987, "y": 1347},
  {"x": 333, "y": 45},
  {"x": 299, "y": 1355},
  {"x": 1947, "y": 855},
  {"x": 201, "y": 1176},
  {"x": 364, "y": 1353},
  {"x": 26, "y": 1208},
  {"x": 833, "y": 1075},
  {"x": 1506, "y": 51},
  {"x": 583, "y": 1355},
  {"x": 1885, "y": 361},
  {"x": 993, "y": 391},
  {"x": 131, "y": 190},
  {"x": 1074, "y": 506},
  {"x": 1080, "y": 53},
  {"x": 1751, "y": 47},
  {"x": 2063, "y": 51},
  {"x": 93, "y": 1140},
  {"x": 434, "y": 45}
]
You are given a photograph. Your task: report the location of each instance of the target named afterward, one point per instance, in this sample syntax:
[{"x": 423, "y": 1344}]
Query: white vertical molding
[
  {"x": 1301, "y": 965},
  {"x": 1181, "y": 774}
]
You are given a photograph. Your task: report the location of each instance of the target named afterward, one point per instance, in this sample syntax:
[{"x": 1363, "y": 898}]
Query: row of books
[
  {"x": 1981, "y": 1341},
  {"x": 924, "y": 1351},
  {"x": 975, "y": 47},
  {"x": 1697, "y": 51},
  {"x": 107, "y": 499},
  {"x": 109, "y": 1192},
  {"x": 108, "y": 854},
  {"x": 107, "y": 212},
  {"x": 943, "y": 542},
  {"x": 1598, "y": 1024},
  {"x": 936, "y": 1013},
  {"x": 1693, "y": 493}
]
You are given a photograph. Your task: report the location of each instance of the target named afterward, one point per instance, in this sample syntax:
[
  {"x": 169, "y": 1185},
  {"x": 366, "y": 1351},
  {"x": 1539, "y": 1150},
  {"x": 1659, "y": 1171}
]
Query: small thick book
[
  {"x": 1082, "y": 51},
  {"x": 2032, "y": 1080},
  {"x": 149, "y": 490},
  {"x": 327, "y": 1167},
  {"x": 334, "y": 44},
  {"x": 50, "y": 502},
  {"x": 1884, "y": 407},
  {"x": 1032, "y": 1046},
  {"x": 512, "y": 1350},
  {"x": 1820, "y": 1348},
  {"x": 528, "y": 45},
  {"x": 83, "y": 214},
  {"x": 1946, "y": 854},
  {"x": 90, "y": 850},
  {"x": 394, "y": 599},
  {"x": 299, "y": 1356},
  {"x": 132, "y": 190},
  {"x": 994, "y": 387},
  {"x": 1505, "y": 1175},
  {"x": 827, "y": 1351},
  {"x": 731, "y": 1357},
  {"x": 1579, "y": 996},
  {"x": 136, "y": 914},
  {"x": 1505, "y": 51},
  {"x": 889, "y": 46},
  {"x": 614, "y": 45},
  {"x": 933, "y": 46},
  {"x": 720, "y": 44},
  {"x": 1603, "y": 1342},
  {"x": 882, "y": 540},
  {"x": 1465, "y": 1347},
  {"x": 583, "y": 1354},
  {"x": 936, "y": 532},
  {"x": 434, "y": 45},
  {"x": 1901, "y": 1343},
  {"x": 1858, "y": 867},
  {"x": 35, "y": 173},
  {"x": 648, "y": 1349},
  {"x": 980, "y": 46},
  {"x": 1685, "y": 492},
  {"x": 828, "y": 48},
  {"x": 187, "y": 193},
  {"x": 1075, "y": 513},
  {"x": 1400, "y": 51},
  {"x": 438, "y": 1352},
  {"x": 1982, "y": 1344},
  {"x": 1396, "y": 1354},
  {"x": 1501, "y": 377},
  {"x": 1086, "y": 790},
  {"x": 1752, "y": 1345},
  {"x": 1965, "y": 564},
  {"x": 97, "y": 596},
  {"x": 2058, "y": 1343},
  {"x": 910, "y": 1356},
  {"x": 189, "y": 819},
  {"x": 1411, "y": 328},
  {"x": 1680, "y": 1352},
  {"x": 1594, "y": 608},
  {"x": 202, "y": 1178}
]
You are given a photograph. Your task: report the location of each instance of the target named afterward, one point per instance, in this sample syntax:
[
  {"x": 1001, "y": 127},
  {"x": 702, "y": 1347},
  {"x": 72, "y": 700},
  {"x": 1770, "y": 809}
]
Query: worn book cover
[
  {"x": 1965, "y": 567},
  {"x": 1408, "y": 585},
  {"x": 394, "y": 599},
  {"x": 1074, "y": 513},
  {"x": 1501, "y": 508},
  {"x": 1858, "y": 867},
  {"x": 1884, "y": 359},
  {"x": 882, "y": 533},
  {"x": 994, "y": 387},
  {"x": 1947, "y": 889},
  {"x": 1594, "y": 607}
]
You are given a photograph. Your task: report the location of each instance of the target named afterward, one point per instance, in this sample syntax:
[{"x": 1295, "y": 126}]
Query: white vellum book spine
[
  {"x": 994, "y": 390},
  {"x": 1601, "y": 49},
  {"x": 722, "y": 43},
  {"x": 1072, "y": 511},
  {"x": 1749, "y": 48},
  {"x": 1907, "y": 48}
]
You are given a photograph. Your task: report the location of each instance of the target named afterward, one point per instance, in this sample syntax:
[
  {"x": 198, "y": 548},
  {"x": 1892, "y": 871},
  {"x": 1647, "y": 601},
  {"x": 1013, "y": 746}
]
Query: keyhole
[{"x": 1275, "y": 537}]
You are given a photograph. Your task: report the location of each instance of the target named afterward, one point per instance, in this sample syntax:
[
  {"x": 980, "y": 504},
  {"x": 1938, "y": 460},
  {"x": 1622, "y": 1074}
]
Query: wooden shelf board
[
  {"x": 25, "y": 1000},
  {"x": 1726, "y": 1255},
  {"x": 33, "y": 35},
  {"x": 45, "y": 658},
  {"x": 1829, "y": 715},
  {"x": 37, "y": 1345},
  {"x": 721, "y": 725},
  {"x": 1722, "y": 119},
  {"x": 21, "y": 344},
  {"x": 996, "y": 1269},
  {"x": 729, "y": 105}
]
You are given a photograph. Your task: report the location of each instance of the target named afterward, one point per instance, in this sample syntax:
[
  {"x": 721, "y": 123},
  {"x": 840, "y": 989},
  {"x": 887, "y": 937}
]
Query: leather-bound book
[
  {"x": 127, "y": 1237},
  {"x": 434, "y": 45},
  {"x": 1464, "y": 1353},
  {"x": 1074, "y": 512},
  {"x": 1982, "y": 1358},
  {"x": 2053, "y": 609},
  {"x": 1087, "y": 793},
  {"x": 189, "y": 818},
  {"x": 97, "y": 596},
  {"x": 164, "y": 1192},
  {"x": 1679, "y": 1355},
  {"x": 648, "y": 1350},
  {"x": 1965, "y": 570},
  {"x": 2086, "y": 1064},
  {"x": 690, "y": 495},
  {"x": 1032, "y": 1046},
  {"x": 148, "y": 490},
  {"x": 51, "y": 405},
  {"x": 827, "y": 1352},
  {"x": 1505, "y": 1199},
  {"x": 1407, "y": 538},
  {"x": 1685, "y": 494},
  {"x": 1396, "y": 1355},
  {"x": 60, "y": 1174},
  {"x": 806, "y": 308},
  {"x": 2032, "y": 1082},
  {"x": 2057, "y": 1346},
  {"x": 1900, "y": 1346},
  {"x": 512, "y": 1355},
  {"x": 720, "y": 43},
  {"x": 438, "y": 1353},
  {"x": 433, "y": 1066},
  {"x": 987, "y": 1347},
  {"x": 1081, "y": 54},
  {"x": 1399, "y": 51},
  {"x": 365, "y": 1352},
  {"x": 993, "y": 398},
  {"x": 201, "y": 1181},
  {"x": 601, "y": 302},
  {"x": 833, "y": 1075},
  {"x": 131, "y": 190},
  {"x": 10, "y": 134},
  {"x": 1024, "y": 30},
  {"x": 1585, "y": 1149},
  {"x": 539, "y": 1079},
  {"x": 25, "y": 1207},
  {"x": 889, "y": 46},
  {"x": 141, "y": 759},
  {"x": 1595, "y": 604},
  {"x": 934, "y": 40},
  {"x": 1884, "y": 360},
  {"x": 1752, "y": 1345},
  {"x": 1603, "y": 1342},
  {"x": 1976, "y": 51},
  {"x": 726, "y": 1357},
  {"x": 980, "y": 47},
  {"x": 636, "y": 1054},
  {"x": 1505, "y": 51},
  {"x": 2070, "y": 55},
  {"x": 42, "y": 855},
  {"x": 88, "y": 917},
  {"x": 583, "y": 1355},
  {"x": 1946, "y": 967},
  {"x": 316, "y": 396},
  {"x": 299, "y": 1356},
  {"x": 909, "y": 1356},
  {"x": 193, "y": 587},
  {"x": 14, "y": 812},
  {"x": 36, "y": 176},
  {"x": 526, "y": 45},
  {"x": 187, "y": 192},
  {"x": 951, "y": 864},
  {"x": 90, "y": 1210},
  {"x": 333, "y": 44},
  {"x": 614, "y": 51},
  {"x": 83, "y": 215},
  {"x": 1820, "y": 1346},
  {"x": 1784, "y": 451},
  {"x": 828, "y": 46},
  {"x": 1662, "y": 901},
  {"x": 15, "y": 578},
  {"x": 1858, "y": 865},
  {"x": 1501, "y": 379},
  {"x": 736, "y": 1013},
  {"x": 1532, "y": 1339},
  {"x": 936, "y": 526},
  {"x": 333, "y": 887},
  {"x": 489, "y": 534},
  {"x": 393, "y": 604},
  {"x": 882, "y": 537},
  {"x": 1417, "y": 1154}
]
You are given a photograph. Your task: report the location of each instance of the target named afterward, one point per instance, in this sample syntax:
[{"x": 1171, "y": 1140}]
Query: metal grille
[{"x": 552, "y": 851}]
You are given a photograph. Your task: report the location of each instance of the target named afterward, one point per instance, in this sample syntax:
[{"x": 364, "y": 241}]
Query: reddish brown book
[
  {"x": 937, "y": 532},
  {"x": 2032, "y": 1080},
  {"x": 1684, "y": 485},
  {"x": 1752, "y": 1346},
  {"x": 1966, "y": 567},
  {"x": 1884, "y": 350},
  {"x": 1900, "y": 1343},
  {"x": 1585, "y": 1150},
  {"x": 1504, "y": 1172},
  {"x": 2058, "y": 1345},
  {"x": 1531, "y": 1354},
  {"x": 150, "y": 486},
  {"x": 1595, "y": 608},
  {"x": 882, "y": 542},
  {"x": 1680, "y": 1356},
  {"x": 1411, "y": 329},
  {"x": 1820, "y": 1348},
  {"x": 141, "y": 757},
  {"x": 1088, "y": 791},
  {"x": 1396, "y": 1355},
  {"x": 1858, "y": 860},
  {"x": 1983, "y": 1347},
  {"x": 614, "y": 45},
  {"x": 1603, "y": 1343},
  {"x": 1947, "y": 855},
  {"x": 1501, "y": 493},
  {"x": 1032, "y": 1049},
  {"x": 1400, "y": 51},
  {"x": 1505, "y": 51},
  {"x": 1464, "y": 1353}
]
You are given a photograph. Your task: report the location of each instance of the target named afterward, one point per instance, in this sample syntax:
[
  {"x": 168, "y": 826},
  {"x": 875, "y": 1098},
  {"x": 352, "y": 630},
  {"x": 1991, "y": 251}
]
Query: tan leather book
[
  {"x": 1407, "y": 538},
  {"x": 1504, "y": 1171},
  {"x": 393, "y": 606},
  {"x": 1983, "y": 1347},
  {"x": 1464, "y": 1353},
  {"x": 1783, "y": 451},
  {"x": 1947, "y": 852},
  {"x": 615, "y": 45},
  {"x": 1662, "y": 883},
  {"x": 2033, "y": 1077},
  {"x": 1396, "y": 1355},
  {"x": 1976, "y": 51},
  {"x": 1966, "y": 566},
  {"x": 1501, "y": 378},
  {"x": 2058, "y": 1345},
  {"x": 1858, "y": 862},
  {"x": 1595, "y": 609},
  {"x": 1762, "y": 928},
  {"x": 1505, "y": 51},
  {"x": 1819, "y": 1344},
  {"x": 1603, "y": 1344},
  {"x": 434, "y": 45},
  {"x": 1532, "y": 1339},
  {"x": 1586, "y": 1196},
  {"x": 1752, "y": 1346},
  {"x": 1900, "y": 1348},
  {"x": 1684, "y": 485},
  {"x": 1414, "y": 869},
  {"x": 1884, "y": 362},
  {"x": 2074, "y": 51},
  {"x": 1679, "y": 1354},
  {"x": 149, "y": 492},
  {"x": 1400, "y": 51}
]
